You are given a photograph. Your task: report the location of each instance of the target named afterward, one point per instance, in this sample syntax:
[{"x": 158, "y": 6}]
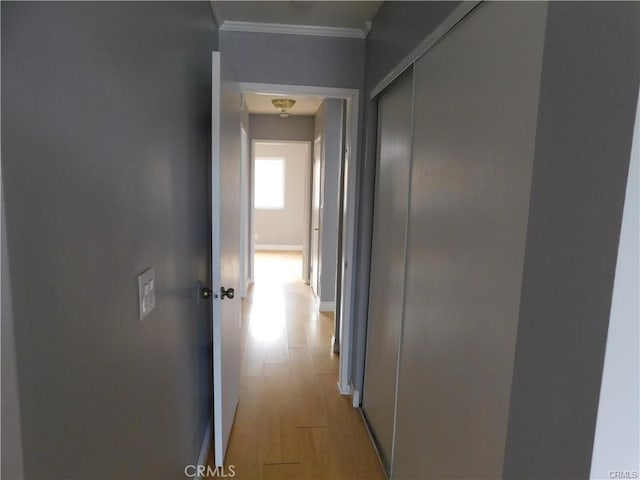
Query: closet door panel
[
  {"x": 387, "y": 260},
  {"x": 476, "y": 96}
]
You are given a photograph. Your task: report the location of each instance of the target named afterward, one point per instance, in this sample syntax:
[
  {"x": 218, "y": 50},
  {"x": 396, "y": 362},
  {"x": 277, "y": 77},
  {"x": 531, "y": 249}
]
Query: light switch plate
[{"x": 146, "y": 292}]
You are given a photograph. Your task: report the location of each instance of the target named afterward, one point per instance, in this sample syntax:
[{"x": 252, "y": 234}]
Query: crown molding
[
  {"x": 280, "y": 28},
  {"x": 215, "y": 11},
  {"x": 310, "y": 91}
]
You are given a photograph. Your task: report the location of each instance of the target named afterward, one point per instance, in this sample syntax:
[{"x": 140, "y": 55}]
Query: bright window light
[{"x": 269, "y": 183}]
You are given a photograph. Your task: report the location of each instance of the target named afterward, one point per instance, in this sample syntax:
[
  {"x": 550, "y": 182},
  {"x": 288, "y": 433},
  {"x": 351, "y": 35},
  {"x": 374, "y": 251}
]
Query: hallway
[
  {"x": 291, "y": 423},
  {"x": 470, "y": 171}
]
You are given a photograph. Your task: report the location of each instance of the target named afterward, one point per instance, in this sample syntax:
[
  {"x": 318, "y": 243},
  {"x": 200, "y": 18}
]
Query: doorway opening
[
  {"x": 302, "y": 211},
  {"x": 281, "y": 193}
]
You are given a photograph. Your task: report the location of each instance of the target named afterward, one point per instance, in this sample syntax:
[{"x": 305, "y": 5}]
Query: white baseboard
[
  {"x": 335, "y": 345},
  {"x": 355, "y": 396},
  {"x": 348, "y": 391},
  {"x": 278, "y": 248},
  {"x": 204, "y": 449},
  {"x": 327, "y": 306}
]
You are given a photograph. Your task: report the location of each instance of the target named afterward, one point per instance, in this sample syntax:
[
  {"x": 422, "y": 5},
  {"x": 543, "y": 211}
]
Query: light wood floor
[{"x": 291, "y": 422}]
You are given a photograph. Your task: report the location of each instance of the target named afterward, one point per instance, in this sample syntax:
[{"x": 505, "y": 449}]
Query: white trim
[
  {"x": 355, "y": 396},
  {"x": 326, "y": 306},
  {"x": 335, "y": 346},
  {"x": 315, "y": 217},
  {"x": 245, "y": 160},
  {"x": 306, "y": 90},
  {"x": 349, "y": 241},
  {"x": 348, "y": 391},
  {"x": 252, "y": 223},
  {"x": 278, "y": 248},
  {"x": 278, "y": 142},
  {"x": 204, "y": 449},
  {"x": 367, "y": 27},
  {"x": 288, "y": 29},
  {"x": 215, "y": 11},
  {"x": 451, "y": 21},
  {"x": 306, "y": 215}
]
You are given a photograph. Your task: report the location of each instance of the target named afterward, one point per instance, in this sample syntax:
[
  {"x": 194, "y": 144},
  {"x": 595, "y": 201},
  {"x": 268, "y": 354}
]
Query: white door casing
[
  {"x": 225, "y": 251},
  {"x": 316, "y": 214},
  {"x": 245, "y": 254}
]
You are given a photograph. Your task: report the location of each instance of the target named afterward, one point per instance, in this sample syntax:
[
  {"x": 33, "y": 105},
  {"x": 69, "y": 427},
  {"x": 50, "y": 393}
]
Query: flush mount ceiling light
[{"x": 283, "y": 105}]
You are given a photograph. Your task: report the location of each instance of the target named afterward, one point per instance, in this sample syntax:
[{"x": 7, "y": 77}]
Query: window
[{"x": 269, "y": 183}]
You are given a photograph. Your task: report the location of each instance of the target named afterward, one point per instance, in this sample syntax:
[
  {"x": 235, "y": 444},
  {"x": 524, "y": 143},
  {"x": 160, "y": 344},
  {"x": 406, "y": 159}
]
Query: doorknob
[
  {"x": 203, "y": 293},
  {"x": 226, "y": 292},
  {"x": 207, "y": 293}
]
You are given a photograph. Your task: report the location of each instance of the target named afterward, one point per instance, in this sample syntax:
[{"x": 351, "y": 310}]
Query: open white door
[{"x": 225, "y": 251}]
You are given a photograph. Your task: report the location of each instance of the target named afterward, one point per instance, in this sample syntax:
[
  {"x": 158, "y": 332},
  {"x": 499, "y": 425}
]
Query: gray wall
[
  {"x": 294, "y": 59},
  {"x": 12, "y": 456},
  {"x": 329, "y": 125},
  {"x": 285, "y": 226},
  {"x": 586, "y": 113},
  {"x": 106, "y": 146},
  {"x": 273, "y": 127}
]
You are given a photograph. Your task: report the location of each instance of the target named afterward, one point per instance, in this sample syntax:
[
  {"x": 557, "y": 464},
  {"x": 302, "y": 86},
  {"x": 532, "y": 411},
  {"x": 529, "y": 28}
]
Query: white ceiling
[
  {"x": 261, "y": 103},
  {"x": 342, "y": 15}
]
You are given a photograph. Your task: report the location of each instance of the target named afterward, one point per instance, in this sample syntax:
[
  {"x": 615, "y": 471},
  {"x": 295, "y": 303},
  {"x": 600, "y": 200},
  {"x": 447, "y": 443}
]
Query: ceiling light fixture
[{"x": 283, "y": 105}]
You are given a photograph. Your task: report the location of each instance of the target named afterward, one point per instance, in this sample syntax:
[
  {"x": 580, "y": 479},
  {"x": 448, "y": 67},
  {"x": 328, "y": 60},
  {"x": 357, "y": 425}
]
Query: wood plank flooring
[{"x": 291, "y": 422}]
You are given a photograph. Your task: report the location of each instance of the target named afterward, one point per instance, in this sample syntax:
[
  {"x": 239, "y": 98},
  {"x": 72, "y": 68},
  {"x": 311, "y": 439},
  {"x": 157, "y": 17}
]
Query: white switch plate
[{"x": 146, "y": 292}]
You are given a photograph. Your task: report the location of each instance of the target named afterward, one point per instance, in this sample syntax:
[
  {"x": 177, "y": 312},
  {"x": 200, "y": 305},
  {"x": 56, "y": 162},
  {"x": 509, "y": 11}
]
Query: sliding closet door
[
  {"x": 476, "y": 97},
  {"x": 387, "y": 261}
]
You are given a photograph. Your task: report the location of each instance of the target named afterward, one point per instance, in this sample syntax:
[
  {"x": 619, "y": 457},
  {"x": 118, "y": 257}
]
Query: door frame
[
  {"x": 246, "y": 256},
  {"x": 348, "y": 209},
  {"x": 316, "y": 176}
]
